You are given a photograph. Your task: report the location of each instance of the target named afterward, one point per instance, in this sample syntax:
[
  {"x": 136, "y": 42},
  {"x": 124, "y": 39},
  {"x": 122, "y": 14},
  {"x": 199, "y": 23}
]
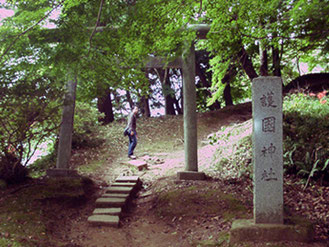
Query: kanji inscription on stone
[
  {"x": 267, "y": 150},
  {"x": 268, "y": 124},
  {"x": 267, "y": 100},
  {"x": 269, "y": 175}
]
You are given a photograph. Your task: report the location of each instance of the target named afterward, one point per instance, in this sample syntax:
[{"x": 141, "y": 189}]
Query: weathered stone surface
[
  {"x": 108, "y": 211},
  {"x": 110, "y": 202},
  {"x": 139, "y": 164},
  {"x": 190, "y": 117},
  {"x": 190, "y": 175},
  {"x": 119, "y": 190},
  {"x": 104, "y": 220},
  {"x": 123, "y": 184},
  {"x": 127, "y": 179},
  {"x": 247, "y": 230},
  {"x": 267, "y": 149},
  {"x": 112, "y": 195}
]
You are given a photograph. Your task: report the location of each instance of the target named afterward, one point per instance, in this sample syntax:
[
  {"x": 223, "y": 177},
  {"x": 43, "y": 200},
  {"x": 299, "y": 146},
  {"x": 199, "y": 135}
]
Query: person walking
[{"x": 132, "y": 133}]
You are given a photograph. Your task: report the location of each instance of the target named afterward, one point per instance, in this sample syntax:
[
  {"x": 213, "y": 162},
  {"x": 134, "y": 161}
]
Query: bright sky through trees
[{"x": 4, "y": 13}]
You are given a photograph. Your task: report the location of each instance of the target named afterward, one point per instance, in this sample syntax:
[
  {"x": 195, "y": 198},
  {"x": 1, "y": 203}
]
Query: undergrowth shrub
[
  {"x": 234, "y": 150},
  {"x": 306, "y": 136},
  {"x": 87, "y": 132},
  {"x": 87, "y": 129},
  {"x": 11, "y": 169},
  {"x": 305, "y": 141}
]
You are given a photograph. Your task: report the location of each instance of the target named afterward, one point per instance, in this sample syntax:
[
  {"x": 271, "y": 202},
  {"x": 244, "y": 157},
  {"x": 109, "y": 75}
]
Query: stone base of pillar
[
  {"x": 190, "y": 175},
  {"x": 247, "y": 231},
  {"x": 59, "y": 172}
]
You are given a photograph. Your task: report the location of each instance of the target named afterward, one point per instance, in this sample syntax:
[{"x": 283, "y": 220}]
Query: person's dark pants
[{"x": 132, "y": 143}]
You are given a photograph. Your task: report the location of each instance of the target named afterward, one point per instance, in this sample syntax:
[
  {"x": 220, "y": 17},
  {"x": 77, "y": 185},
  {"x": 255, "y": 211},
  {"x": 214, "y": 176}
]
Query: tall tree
[
  {"x": 104, "y": 105},
  {"x": 168, "y": 92}
]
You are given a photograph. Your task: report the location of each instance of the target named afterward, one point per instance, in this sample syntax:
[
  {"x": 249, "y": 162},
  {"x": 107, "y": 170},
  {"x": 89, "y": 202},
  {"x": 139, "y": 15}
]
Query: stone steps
[
  {"x": 104, "y": 220},
  {"x": 114, "y": 201},
  {"x": 108, "y": 211}
]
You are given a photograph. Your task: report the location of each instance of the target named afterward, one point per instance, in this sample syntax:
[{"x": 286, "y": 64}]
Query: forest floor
[{"x": 169, "y": 212}]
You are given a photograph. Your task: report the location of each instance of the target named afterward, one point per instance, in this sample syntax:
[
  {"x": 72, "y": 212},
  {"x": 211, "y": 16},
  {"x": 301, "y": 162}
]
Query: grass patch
[
  {"x": 91, "y": 167},
  {"x": 22, "y": 220}
]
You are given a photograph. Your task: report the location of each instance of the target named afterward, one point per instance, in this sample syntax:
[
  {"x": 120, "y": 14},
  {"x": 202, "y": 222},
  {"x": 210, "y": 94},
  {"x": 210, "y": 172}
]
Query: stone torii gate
[{"x": 187, "y": 63}]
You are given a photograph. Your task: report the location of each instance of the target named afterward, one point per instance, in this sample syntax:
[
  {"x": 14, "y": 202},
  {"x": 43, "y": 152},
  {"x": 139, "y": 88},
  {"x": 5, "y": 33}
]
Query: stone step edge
[
  {"x": 95, "y": 219},
  {"x": 128, "y": 179},
  {"x": 115, "y": 195},
  {"x": 108, "y": 211},
  {"x": 104, "y": 220},
  {"x": 110, "y": 202},
  {"x": 123, "y": 184}
]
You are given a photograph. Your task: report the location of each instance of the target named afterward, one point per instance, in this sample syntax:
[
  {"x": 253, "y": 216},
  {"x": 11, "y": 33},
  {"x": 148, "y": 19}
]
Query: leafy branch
[
  {"x": 29, "y": 29},
  {"x": 96, "y": 25}
]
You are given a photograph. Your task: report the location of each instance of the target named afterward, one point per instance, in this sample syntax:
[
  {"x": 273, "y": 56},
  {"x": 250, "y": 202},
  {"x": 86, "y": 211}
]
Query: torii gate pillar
[{"x": 190, "y": 118}]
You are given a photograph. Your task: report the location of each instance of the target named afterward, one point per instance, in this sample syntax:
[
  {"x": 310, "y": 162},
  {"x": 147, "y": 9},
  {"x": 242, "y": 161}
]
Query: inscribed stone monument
[{"x": 267, "y": 150}]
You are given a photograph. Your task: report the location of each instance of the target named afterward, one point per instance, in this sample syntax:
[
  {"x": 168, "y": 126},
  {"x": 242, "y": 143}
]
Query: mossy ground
[
  {"x": 25, "y": 215},
  {"x": 209, "y": 200}
]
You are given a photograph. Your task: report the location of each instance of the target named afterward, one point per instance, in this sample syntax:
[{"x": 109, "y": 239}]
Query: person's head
[{"x": 135, "y": 110}]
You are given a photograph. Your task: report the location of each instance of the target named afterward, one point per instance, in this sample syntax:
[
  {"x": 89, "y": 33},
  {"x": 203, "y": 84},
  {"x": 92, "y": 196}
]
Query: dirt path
[{"x": 139, "y": 226}]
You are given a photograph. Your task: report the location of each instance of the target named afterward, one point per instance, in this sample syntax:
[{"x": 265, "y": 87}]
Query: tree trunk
[
  {"x": 227, "y": 95},
  {"x": 145, "y": 106},
  {"x": 178, "y": 108},
  {"x": 206, "y": 84},
  {"x": 104, "y": 105},
  {"x": 228, "y": 77},
  {"x": 167, "y": 91},
  {"x": 131, "y": 103},
  {"x": 246, "y": 63},
  {"x": 202, "y": 76},
  {"x": 276, "y": 61}
]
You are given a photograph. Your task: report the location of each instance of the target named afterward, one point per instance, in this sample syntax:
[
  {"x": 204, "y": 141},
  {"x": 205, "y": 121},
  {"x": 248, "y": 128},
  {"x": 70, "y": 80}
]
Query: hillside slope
[{"x": 166, "y": 212}]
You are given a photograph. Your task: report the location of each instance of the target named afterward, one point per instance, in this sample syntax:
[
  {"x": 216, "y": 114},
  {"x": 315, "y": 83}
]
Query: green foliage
[
  {"x": 132, "y": 30},
  {"x": 244, "y": 24},
  {"x": 29, "y": 113},
  {"x": 306, "y": 136},
  {"x": 87, "y": 128}
]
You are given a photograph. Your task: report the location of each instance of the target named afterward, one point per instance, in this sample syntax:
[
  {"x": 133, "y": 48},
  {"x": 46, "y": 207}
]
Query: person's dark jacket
[{"x": 131, "y": 122}]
